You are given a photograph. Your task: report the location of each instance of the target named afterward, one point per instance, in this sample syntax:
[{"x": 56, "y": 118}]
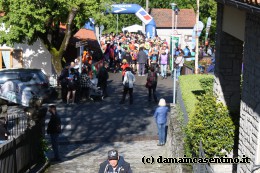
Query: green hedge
[{"x": 209, "y": 121}]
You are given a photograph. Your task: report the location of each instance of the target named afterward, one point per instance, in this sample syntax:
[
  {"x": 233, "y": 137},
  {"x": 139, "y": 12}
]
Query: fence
[
  {"x": 23, "y": 149},
  {"x": 17, "y": 122},
  {"x": 202, "y": 167}
]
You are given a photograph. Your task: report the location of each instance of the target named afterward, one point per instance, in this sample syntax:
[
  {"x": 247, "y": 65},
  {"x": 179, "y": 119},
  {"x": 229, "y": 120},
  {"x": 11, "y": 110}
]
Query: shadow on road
[{"x": 108, "y": 121}]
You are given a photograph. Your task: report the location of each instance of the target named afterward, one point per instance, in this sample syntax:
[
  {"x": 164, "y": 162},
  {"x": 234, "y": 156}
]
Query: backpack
[{"x": 151, "y": 79}]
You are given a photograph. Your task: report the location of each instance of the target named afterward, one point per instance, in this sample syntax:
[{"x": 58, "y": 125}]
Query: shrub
[
  {"x": 207, "y": 84},
  {"x": 191, "y": 88},
  {"x": 211, "y": 124},
  {"x": 190, "y": 64}
]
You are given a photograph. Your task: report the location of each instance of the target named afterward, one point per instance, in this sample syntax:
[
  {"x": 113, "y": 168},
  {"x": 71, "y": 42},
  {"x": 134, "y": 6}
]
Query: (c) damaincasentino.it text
[{"x": 223, "y": 160}]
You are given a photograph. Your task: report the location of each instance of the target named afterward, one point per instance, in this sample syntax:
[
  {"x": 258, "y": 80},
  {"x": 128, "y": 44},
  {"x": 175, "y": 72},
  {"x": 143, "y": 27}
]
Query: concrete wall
[
  {"x": 230, "y": 22},
  {"x": 33, "y": 56},
  {"x": 36, "y": 56}
]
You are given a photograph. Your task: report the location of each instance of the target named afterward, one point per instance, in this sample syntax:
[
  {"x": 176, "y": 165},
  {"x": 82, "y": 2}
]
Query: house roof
[
  {"x": 163, "y": 18},
  {"x": 88, "y": 36},
  {"x": 84, "y": 34}
]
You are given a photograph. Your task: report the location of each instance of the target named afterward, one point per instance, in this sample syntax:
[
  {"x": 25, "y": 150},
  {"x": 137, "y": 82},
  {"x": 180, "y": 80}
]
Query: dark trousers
[
  {"x": 84, "y": 92},
  {"x": 55, "y": 145},
  {"x": 104, "y": 89},
  {"x": 130, "y": 91},
  {"x": 152, "y": 90},
  {"x": 64, "y": 91}
]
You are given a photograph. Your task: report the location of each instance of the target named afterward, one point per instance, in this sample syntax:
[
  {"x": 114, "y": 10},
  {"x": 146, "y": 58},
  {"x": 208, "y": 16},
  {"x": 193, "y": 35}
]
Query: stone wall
[
  {"x": 250, "y": 107},
  {"x": 175, "y": 141},
  {"x": 229, "y": 53}
]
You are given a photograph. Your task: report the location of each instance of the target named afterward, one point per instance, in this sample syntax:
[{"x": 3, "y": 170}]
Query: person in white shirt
[
  {"x": 179, "y": 63},
  {"x": 128, "y": 82}
]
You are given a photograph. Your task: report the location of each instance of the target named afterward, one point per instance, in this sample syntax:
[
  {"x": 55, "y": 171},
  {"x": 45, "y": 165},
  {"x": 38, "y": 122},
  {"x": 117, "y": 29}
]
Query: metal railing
[
  {"x": 23, "y": 149},
  {"x": 17, "y": 122},
  {"x": 202, "y": 167}
]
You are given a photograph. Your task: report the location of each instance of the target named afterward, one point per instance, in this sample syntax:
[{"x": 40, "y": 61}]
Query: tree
[{"x": 28, "y": 20}]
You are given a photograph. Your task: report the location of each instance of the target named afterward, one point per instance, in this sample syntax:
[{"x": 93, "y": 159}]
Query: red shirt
[{"x": 124, "y": 67}]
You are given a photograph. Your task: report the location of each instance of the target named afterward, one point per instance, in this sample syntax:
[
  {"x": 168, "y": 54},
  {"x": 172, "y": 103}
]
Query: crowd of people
[{"x": 142, "y": 55}]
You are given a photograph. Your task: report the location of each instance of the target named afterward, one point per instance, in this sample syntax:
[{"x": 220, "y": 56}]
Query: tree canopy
[{"x": 28, "y": 20}]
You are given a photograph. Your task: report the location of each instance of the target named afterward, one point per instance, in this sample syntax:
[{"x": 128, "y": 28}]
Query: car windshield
[
  {"x": 8, "y": 76},
  {"x": 23, "y": 76}
]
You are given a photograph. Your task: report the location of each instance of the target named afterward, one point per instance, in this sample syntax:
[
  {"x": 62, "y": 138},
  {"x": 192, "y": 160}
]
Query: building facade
[
  {"x": 237, "y": 74},
  {"x": 26, "y": 56},
  {"x": 180, "y": 25}
]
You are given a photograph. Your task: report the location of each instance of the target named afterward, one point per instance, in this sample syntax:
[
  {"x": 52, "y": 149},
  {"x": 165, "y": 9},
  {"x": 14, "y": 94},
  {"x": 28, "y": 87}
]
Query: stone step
[{"x": 82, "y": 158}]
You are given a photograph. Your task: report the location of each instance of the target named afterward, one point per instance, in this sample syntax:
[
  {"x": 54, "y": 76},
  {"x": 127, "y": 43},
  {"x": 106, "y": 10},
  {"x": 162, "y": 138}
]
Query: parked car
[{"x": 17, "y": 85}]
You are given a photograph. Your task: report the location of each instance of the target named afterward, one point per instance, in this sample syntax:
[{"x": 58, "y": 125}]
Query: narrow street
[{"x": 91, "y": 129}]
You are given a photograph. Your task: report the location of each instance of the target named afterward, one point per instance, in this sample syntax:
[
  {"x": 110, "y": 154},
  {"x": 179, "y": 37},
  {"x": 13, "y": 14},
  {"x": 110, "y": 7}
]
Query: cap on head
[{"x": 112, "y": 155}]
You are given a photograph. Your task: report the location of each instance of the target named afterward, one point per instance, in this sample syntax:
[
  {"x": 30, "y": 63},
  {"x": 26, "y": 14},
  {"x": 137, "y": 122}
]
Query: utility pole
[
  {"x": 147, "y": 5},
  {"x": 147, "y": 10},
  {"x": 197, "y": 38}
]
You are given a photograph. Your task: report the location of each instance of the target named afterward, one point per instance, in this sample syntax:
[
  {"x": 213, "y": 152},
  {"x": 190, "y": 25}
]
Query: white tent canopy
[{"x": 133, "y": 28}]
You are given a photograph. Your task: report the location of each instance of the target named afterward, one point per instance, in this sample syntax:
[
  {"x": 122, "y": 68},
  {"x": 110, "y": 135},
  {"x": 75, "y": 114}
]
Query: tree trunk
[{"x": 58, "y": 55}]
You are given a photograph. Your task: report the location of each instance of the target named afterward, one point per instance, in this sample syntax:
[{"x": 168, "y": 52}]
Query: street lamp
[{"x": 175, "y": 11}]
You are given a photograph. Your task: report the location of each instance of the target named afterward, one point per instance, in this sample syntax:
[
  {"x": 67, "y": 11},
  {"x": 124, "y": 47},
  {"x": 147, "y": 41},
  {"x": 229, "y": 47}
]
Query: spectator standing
[
  {"x": 73, "y": 79},
  {"x": 114, "y": 164},
  {"x": 54, "y": 129},
  {"x": 103, "y": 76},
  {"x": 163, "y": 63},
  {"x": 64, "y": 82},
  {"x": 160, "y": 116},
  {"x": 111, "y": 56},
  {"x": 141, "y": 60},
  {"x": 84, "y": 79},
  {"x": 179, "y": 63},
  {"x": 128, "y": 82}
]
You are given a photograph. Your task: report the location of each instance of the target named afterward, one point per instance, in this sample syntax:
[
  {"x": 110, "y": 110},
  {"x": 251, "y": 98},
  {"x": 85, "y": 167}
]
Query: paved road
[{"x": 90, "y": 129}]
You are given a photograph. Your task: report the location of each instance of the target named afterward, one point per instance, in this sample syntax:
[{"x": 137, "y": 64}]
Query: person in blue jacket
[
  {"x": 160, "y": 116},
  {"x": 114, "y": 164}
]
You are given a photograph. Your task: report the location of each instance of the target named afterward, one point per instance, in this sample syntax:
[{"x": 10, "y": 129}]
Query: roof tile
[{"x": 163, "y": 18}]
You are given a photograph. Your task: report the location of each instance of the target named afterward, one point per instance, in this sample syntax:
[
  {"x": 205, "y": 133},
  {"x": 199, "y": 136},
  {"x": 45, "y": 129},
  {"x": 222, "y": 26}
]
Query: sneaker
[
  {"x": 159, "y": 144},
  {"x": 139, "y": 75}
]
